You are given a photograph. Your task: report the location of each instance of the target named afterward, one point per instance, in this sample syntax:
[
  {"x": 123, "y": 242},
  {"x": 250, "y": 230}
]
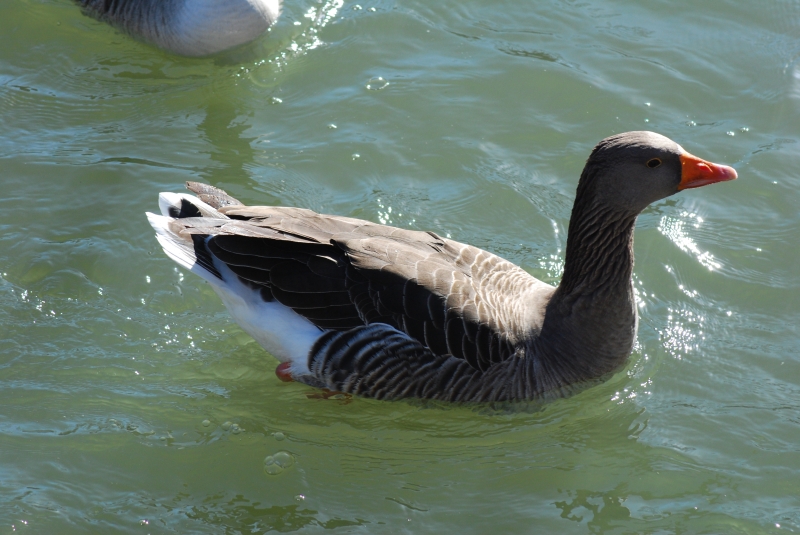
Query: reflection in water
[
  {"x": 308, "y": 39},
  {"x": 237, "y": 514},
  {"x": 321, "y": 18},
  {"x": 684, "y": 328},
  {"x": 225, "y": 125},
  {"x": 675, "y": 229},
  {"x": 231, "y": 150},
  {"x": 604, "y": 509},
  {"x": 553, "y": 264},
  {"x": 681, "y": 333}
]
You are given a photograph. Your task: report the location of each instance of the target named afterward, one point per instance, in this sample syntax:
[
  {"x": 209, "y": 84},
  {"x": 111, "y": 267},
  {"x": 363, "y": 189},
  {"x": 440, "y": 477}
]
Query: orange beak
[{"x": 696, "y": 172}]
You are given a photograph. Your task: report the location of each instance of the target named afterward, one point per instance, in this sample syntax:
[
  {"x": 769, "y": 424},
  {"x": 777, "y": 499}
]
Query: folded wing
[{"x": 341, "y": 273}]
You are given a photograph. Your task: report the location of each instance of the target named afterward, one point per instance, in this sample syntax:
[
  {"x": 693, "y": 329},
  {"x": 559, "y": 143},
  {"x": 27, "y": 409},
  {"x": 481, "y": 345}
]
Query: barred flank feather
[{"x": 382, "y": 362}]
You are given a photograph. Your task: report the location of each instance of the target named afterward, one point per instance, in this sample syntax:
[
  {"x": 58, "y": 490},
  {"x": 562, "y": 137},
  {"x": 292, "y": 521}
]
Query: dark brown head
[{"x": 631, "y": 170}]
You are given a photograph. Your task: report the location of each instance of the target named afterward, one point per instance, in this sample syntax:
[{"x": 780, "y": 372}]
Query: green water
[{"x": 129, "y": 403}]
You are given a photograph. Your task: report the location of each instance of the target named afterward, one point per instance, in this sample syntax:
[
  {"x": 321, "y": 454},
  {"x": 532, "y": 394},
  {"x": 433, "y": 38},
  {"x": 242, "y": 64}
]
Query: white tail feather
[
  {"x": 177, "y": 248},
  {"x": 276, "y": 327}
]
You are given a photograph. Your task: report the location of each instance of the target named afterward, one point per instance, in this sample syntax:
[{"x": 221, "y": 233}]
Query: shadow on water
[
  {"x": 602, "y": 508},
  {"x": 620, "y": 510},
  {"x": 240, "y": 515}
]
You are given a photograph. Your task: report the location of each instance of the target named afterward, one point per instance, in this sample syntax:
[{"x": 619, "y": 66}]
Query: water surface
[{"x": 129, "y": 403}]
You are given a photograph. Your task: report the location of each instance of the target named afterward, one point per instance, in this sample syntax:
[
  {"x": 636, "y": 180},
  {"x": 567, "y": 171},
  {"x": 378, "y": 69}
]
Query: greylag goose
[
  {"x": 373, "y": 310},
  {"x": 188, "y": 27}
]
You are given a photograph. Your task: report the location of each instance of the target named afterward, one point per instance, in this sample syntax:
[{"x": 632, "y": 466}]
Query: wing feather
[{"x": 342, "y": 273}]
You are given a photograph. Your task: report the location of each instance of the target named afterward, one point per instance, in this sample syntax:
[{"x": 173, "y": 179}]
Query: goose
[
  {"x": 188, "y": 27},
  {"x": 378, "y": 311}
]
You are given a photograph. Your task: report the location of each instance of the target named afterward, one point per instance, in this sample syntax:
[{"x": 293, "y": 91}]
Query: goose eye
[{"x": 655, "y": 162}]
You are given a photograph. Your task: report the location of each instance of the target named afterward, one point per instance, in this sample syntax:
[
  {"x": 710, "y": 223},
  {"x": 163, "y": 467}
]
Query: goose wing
[{"x": 342, "y": 273}]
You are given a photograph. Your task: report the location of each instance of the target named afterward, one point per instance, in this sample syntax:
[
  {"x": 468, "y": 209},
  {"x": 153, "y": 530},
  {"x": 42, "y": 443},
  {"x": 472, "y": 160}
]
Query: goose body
[
  {"x": 379, "y": 311},
  {"x": 188, "y": 27}
]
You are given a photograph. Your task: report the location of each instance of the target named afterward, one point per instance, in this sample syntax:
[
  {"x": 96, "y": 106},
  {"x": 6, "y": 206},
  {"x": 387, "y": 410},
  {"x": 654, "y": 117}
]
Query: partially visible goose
[
  {"x": 379, "y": 311},
  {"x": 188, "y": 27}
]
